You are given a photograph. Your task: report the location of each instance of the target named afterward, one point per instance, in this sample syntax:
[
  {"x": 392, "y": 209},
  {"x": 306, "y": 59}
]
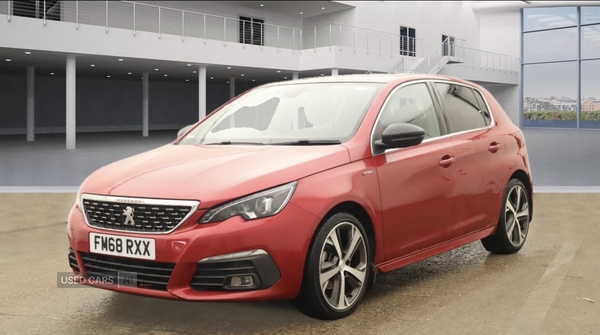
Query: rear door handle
[
  {"x": 447, "y": 160},
  {"x": 494, "y": 147}
]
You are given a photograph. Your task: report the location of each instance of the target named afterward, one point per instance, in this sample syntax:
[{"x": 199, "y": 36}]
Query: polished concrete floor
[{"x": 551, "y": 287}]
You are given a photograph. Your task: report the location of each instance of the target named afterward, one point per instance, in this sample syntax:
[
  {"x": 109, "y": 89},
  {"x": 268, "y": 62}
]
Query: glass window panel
[
  {"x": 550, "y": 95},
  {"x": 461, "y": 107},
  {"x": 551, "y": 45},
  {"x": 411, "y": 104},
  {"x": 549, "y": 18},
  {"x": 590, "y": 94},
  {"x": 590, "y": 15},
  {"x": 590, "y": 41}
]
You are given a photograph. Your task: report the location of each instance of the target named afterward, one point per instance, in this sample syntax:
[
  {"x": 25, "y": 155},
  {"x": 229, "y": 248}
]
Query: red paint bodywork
[{"x": 416, "y": 207}]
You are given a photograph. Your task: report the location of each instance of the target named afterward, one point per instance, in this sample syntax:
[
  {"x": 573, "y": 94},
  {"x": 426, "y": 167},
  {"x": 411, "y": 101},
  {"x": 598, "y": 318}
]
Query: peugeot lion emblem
[{"x": 128, "y": 212}]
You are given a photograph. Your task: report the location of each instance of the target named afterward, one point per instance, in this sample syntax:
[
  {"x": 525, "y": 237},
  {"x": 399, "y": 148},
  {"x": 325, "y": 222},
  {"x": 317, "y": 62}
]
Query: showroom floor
[{"x": 550, "y": 287}]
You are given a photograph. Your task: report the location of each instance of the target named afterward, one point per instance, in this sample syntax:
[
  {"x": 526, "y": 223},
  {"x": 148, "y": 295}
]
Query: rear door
[
  {"x": 415, "y": 182},
  {"x": 479, "y": 149}
]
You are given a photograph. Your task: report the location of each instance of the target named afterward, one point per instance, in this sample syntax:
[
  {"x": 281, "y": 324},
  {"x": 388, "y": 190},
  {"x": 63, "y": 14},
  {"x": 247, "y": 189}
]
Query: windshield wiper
[
  {"x": 230, "y": 142},
  {"x": 309, "y": 142}
]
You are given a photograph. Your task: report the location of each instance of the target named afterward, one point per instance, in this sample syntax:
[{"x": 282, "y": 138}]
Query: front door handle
[
  {"x": 447, "y": 160},
  {"x": 494, "y": 146}
]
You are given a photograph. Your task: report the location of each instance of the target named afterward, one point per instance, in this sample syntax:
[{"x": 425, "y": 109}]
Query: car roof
[{"x": 365, "y": 78}]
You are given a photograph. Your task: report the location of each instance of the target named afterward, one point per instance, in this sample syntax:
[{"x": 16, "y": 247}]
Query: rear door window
[{"x": 461, "y": 107}]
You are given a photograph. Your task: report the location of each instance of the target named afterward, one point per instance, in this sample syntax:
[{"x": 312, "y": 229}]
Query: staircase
[{"x": 433, "y": 63}]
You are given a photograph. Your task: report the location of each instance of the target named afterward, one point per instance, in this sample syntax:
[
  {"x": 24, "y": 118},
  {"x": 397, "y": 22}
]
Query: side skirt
[{"x": 435, "y": 250}]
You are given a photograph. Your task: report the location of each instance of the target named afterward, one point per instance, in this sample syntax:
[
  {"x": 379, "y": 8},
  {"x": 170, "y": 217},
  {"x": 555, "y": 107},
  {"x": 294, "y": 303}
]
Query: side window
[
  {"x": 483, "y": 107},
  {"x": 461, "y": 107},
  {"x": 410, "y": 104}
]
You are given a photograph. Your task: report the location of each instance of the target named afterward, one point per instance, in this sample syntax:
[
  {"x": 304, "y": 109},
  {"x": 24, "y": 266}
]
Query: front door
[{"x": 416, "y": 183}]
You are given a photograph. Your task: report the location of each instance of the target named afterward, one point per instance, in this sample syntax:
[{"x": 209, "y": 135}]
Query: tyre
[
  {"x": 513, "y": 224},
  {"x": 337, "y": 271}
]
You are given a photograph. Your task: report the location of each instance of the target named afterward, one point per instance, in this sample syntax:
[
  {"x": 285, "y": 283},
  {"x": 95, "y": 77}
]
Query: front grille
[
  {"x": 149, "y": 275},
  {"x": 211, "y": 276},
  {"x": 73, "y": 261},
  {"x": 144, "y": 216}
]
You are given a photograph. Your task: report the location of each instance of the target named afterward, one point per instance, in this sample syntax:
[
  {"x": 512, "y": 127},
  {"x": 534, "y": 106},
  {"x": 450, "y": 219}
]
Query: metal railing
[
  {"x": 161, "y": 20},
  {"x": 487, "y": 59},
  {"x": 358, "y": 39}
]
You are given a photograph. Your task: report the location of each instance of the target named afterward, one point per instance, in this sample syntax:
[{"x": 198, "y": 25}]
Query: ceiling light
[
  {"x": 165, "y": 75},
  {"x": 107, "y": 76},
  {"x": 120, "y": 59},
  {"x": 92, "y": 65},
  {"x": 242, "y": 75},
  {"x": 278, "y": 71},
  {"x": 284, "y": 77},
  {"x": 229, "y": 68},
  {"x": 187, "y": 80},
  {"x": 194, "y": 71},
  {"x": 212, "y": 77},
  {"x": 51, "y": 73},
  {"x": 189, "y": 65},
  {"x": 28, "y": 52},
  {"x": 262, "y": 5},
  {"x": 155, "y": 69},
  {"x": 322, "y": 7},
  {"x": 8, "y": 59},
  {"x": 301, "y": 13},
  {"x": 128, "y": 72},
  {"x": 227, "y": 82},
  {"x": 322, "y": 74},
  {"x": 253, "y": 79}
]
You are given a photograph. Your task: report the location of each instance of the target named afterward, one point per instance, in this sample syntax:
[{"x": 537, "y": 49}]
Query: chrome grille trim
[{"x": 155, "y": 223}]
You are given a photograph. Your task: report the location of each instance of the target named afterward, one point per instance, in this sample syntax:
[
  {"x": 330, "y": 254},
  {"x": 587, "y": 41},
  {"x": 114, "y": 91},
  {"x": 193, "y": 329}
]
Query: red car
[{"x": 305, "y": 190}]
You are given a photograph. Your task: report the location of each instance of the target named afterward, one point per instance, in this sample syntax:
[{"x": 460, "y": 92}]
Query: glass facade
[{"x": 561, "y": 67}]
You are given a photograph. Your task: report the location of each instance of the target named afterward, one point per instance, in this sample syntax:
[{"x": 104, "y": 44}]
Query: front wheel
[
  {"x": 513, "y": 224},
  {"x": 337, "y": 271}
]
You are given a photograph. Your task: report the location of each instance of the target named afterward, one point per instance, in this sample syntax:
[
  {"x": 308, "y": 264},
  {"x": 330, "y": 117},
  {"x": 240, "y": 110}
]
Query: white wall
[
  {"x": 500, "y": 32},
  {"x": 430, "y": 18}
]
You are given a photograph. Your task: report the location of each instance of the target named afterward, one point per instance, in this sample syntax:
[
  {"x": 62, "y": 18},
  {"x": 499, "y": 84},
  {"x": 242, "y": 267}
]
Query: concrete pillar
[
  {"x": 335, "y": 72},
  {"x": 231, "y": 88},
  {"x": 201, "y": 92},
  {"x": 71, "y": 102},
  {"x": 294, "y": 75},
  {"x": 145, "y": 106},
  {"x": 30, "y": 103}
]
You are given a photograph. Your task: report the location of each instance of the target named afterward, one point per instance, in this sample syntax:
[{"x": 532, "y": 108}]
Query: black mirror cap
[
  {"x": 401, "y": 135},
  {"x": 183, "y": 130}
]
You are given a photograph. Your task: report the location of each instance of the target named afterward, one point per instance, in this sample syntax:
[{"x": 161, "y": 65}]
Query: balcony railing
[
  {"x": 162, "y": 20},
  {"x": 487, "y": 59}
]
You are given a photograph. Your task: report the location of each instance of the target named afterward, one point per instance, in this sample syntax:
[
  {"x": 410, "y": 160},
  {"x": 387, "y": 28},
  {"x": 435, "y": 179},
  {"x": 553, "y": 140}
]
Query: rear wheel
[
  {"x": 338, "y": 269},
  {"x": 513, "y": 224}
]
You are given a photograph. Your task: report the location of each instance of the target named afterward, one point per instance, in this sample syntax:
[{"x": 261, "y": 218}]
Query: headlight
[{"x": 259, "y": 205}]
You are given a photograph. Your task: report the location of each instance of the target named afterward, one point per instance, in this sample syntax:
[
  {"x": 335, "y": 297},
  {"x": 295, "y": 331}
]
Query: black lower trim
[{"x": 217, "y": 275}]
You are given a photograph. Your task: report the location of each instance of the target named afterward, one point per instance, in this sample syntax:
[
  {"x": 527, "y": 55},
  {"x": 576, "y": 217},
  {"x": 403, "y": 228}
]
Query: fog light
[{"x": 242, "y": 281}]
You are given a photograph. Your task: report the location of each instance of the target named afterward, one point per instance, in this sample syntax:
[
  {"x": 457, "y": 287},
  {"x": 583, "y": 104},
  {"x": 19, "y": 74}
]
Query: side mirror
[
  {"x": 400, "y": 135},
  {"x": 183, "y": 130}
]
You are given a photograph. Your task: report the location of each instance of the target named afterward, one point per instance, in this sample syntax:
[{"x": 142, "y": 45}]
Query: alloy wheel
[
  {"x": 517, "y": 215},
  {"x": 343, "y": 266}
]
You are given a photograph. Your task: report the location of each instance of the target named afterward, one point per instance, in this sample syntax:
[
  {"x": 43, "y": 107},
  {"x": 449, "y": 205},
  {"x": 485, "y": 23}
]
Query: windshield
[{"x": 315, "y": 113}]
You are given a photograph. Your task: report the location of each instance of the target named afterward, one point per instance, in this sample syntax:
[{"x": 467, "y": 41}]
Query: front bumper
[{"x": 277, "y": 273}]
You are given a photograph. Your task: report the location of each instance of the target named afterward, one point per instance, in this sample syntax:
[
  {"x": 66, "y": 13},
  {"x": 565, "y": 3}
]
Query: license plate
[{"x": 123, "y": 246}]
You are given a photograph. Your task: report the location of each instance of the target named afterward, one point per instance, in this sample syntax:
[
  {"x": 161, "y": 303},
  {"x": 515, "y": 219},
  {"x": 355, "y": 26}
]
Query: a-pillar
[
  {"x": 71, "y": 102},
  {"x": 30, "y": 103},
  {"x": 145, "y": 104},
  {"x": 201, "y": 92},
  {"x": 294, "y": 75},
  {"x": 335, "y": 72},
  {"x": 231, "y": 88}
]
